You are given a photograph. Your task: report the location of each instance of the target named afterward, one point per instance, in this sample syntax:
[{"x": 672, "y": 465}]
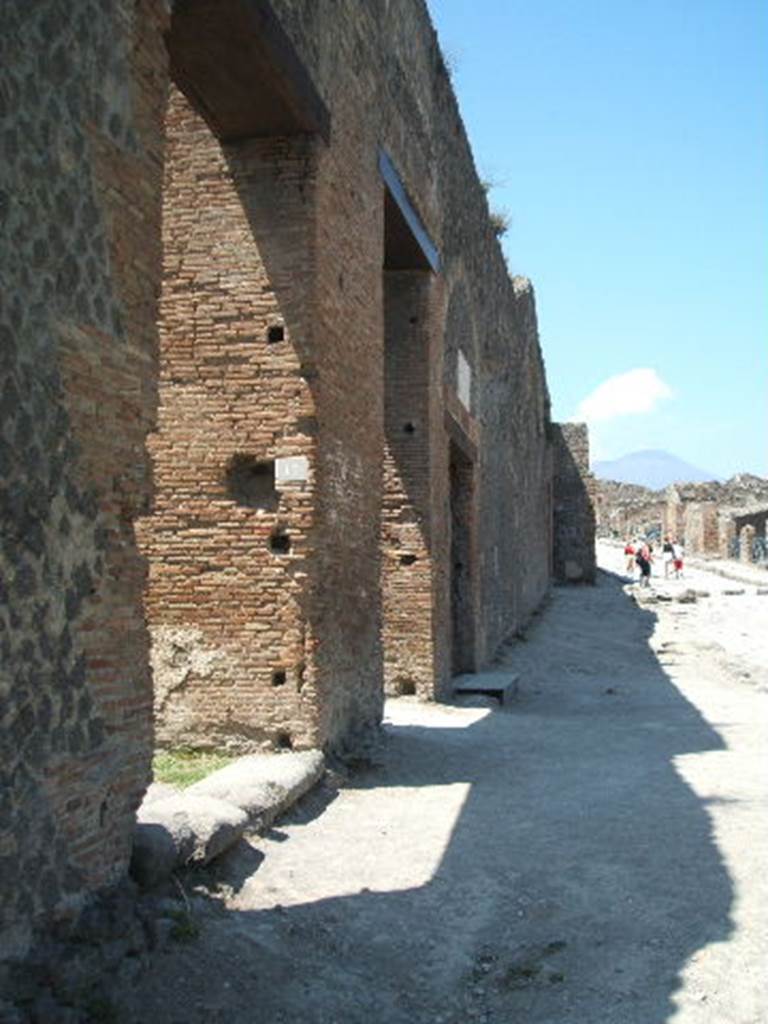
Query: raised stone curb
[
  {"x": 159, "y": 791},
  {"x": 263, "y": 785},
  {"x": 180, "y": 830},
  {"x": 749, "y": 575},
  {"x": 197, "y": 824}
]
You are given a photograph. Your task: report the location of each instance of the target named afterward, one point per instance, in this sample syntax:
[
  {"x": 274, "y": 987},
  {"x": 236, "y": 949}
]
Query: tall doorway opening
[{"x": 462, "y": 494}]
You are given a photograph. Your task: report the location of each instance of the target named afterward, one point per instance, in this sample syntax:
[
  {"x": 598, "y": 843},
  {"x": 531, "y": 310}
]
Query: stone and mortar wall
[
  {"x": 515, "y": 538},
  {"x": 82, "y": 89},
  {"x": 573, "y": 504}
]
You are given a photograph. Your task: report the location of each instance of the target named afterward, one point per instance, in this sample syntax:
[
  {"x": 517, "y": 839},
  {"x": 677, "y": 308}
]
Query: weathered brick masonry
[
  {"x": 82, "y": 91},
  {"x": 480, "y": 393},
  {"x": 353, "y": 478},
  {"x": 371, "y": 256},
  {"x": 229, "y": 544}
]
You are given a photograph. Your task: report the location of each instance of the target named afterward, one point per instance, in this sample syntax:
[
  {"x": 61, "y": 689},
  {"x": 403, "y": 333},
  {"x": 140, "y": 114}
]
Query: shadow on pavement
[{"x": 580, "y": 876}]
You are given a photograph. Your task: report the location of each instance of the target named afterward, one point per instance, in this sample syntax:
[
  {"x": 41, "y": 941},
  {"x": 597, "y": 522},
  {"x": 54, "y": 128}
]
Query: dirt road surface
[{"x": 594, "y": 853}]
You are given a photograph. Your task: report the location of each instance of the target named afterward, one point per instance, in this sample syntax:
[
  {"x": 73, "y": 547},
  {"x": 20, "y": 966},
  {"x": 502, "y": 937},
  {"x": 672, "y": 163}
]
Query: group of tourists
[{"x": 639, "y": 554}]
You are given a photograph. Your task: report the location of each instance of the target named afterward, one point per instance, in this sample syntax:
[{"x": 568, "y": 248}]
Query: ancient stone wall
[
  {"x": 307, "y": 234},
  {"x": 294, "y": 200},
  {"x": 82, "y": 89},
  {"x": 574, "y": 516},
  {"x": 515, "y": 549}
]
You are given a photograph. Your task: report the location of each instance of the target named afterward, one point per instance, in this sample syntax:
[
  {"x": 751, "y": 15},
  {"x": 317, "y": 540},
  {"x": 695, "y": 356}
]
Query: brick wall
[
  {"x": 408, "y": 561},
  {"x": 79, "y": 200},
  {"x": 229, "y": 543}
]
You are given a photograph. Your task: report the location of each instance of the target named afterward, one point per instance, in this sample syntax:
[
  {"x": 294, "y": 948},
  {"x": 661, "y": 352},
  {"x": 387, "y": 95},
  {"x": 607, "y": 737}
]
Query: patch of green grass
[
  {"x": 183, "y": 767},
  {"x": 185, "y": 927}
]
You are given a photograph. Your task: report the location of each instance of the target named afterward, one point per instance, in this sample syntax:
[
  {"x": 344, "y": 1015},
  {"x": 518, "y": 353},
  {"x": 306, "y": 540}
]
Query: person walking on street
[
  {"x": 629, "y": 551},
  {"x": 644, "y": 558},
  {"x": 677, "y": 559}
]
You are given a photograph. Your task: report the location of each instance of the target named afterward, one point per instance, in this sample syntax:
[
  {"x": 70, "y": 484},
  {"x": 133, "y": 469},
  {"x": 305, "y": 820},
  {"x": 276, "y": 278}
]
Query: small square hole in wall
[
  {"x": 275, "y": 333},
  {"x": 283, "y": 741},
  {"x": 409, "y": 428},
  {"x": 407, "y": 559},
  {"x": 251, "y": 482},
  {"x": 278, "y": 677},
  {"x": 406, "y": 688},
  {"x": 280, "y": 542}
]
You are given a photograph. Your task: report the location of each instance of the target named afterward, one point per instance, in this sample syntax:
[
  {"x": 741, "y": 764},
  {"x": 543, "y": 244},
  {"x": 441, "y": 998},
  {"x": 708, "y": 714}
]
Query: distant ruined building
[
  {"x": 275, "y": 432},
  {"x": 723, "y": 520}
]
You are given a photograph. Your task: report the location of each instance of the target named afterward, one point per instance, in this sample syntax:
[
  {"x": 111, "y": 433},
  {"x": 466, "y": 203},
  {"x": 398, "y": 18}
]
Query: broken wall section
[{"x": 574, "y": 506}]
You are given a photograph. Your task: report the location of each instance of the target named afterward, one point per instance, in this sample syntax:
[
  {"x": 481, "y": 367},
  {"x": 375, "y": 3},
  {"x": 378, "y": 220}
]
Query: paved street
[{"x": 594, "y": 853}]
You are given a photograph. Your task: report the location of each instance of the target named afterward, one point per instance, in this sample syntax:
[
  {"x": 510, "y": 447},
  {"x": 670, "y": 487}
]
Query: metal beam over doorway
[{"x": 407, "y": 243}]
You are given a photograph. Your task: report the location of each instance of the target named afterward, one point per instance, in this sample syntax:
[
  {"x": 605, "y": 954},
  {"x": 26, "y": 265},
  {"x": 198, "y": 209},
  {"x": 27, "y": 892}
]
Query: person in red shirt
[{"x": 629, "y": 551}]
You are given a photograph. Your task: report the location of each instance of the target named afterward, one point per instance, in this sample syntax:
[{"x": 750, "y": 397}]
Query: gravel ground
[{"x": 593, "y": 853}]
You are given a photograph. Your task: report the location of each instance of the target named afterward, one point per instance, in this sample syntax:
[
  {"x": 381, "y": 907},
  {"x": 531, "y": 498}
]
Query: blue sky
[{"x": 629, "y": 145}]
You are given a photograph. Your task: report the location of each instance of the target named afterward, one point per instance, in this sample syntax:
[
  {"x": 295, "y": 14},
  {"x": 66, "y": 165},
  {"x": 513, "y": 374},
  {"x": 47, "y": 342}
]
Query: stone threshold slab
[{"x": 501, "y": 684}]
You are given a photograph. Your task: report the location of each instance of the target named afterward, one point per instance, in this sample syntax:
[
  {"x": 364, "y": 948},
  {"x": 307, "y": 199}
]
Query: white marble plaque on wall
[
  {"x": 464, "y": 382},
  {"x": 292, "y": 470}
]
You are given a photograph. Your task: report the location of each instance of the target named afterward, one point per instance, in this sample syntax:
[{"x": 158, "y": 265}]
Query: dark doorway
[{"x": 462, "y": 562}]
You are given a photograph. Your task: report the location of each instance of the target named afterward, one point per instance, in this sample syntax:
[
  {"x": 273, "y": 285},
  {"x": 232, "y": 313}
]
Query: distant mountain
[{"x": 654, "y": 469}]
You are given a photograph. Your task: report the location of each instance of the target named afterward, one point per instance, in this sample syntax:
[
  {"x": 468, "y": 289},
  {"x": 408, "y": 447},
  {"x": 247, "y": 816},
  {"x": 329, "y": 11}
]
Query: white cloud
[{"x": 636, "y": 391}]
